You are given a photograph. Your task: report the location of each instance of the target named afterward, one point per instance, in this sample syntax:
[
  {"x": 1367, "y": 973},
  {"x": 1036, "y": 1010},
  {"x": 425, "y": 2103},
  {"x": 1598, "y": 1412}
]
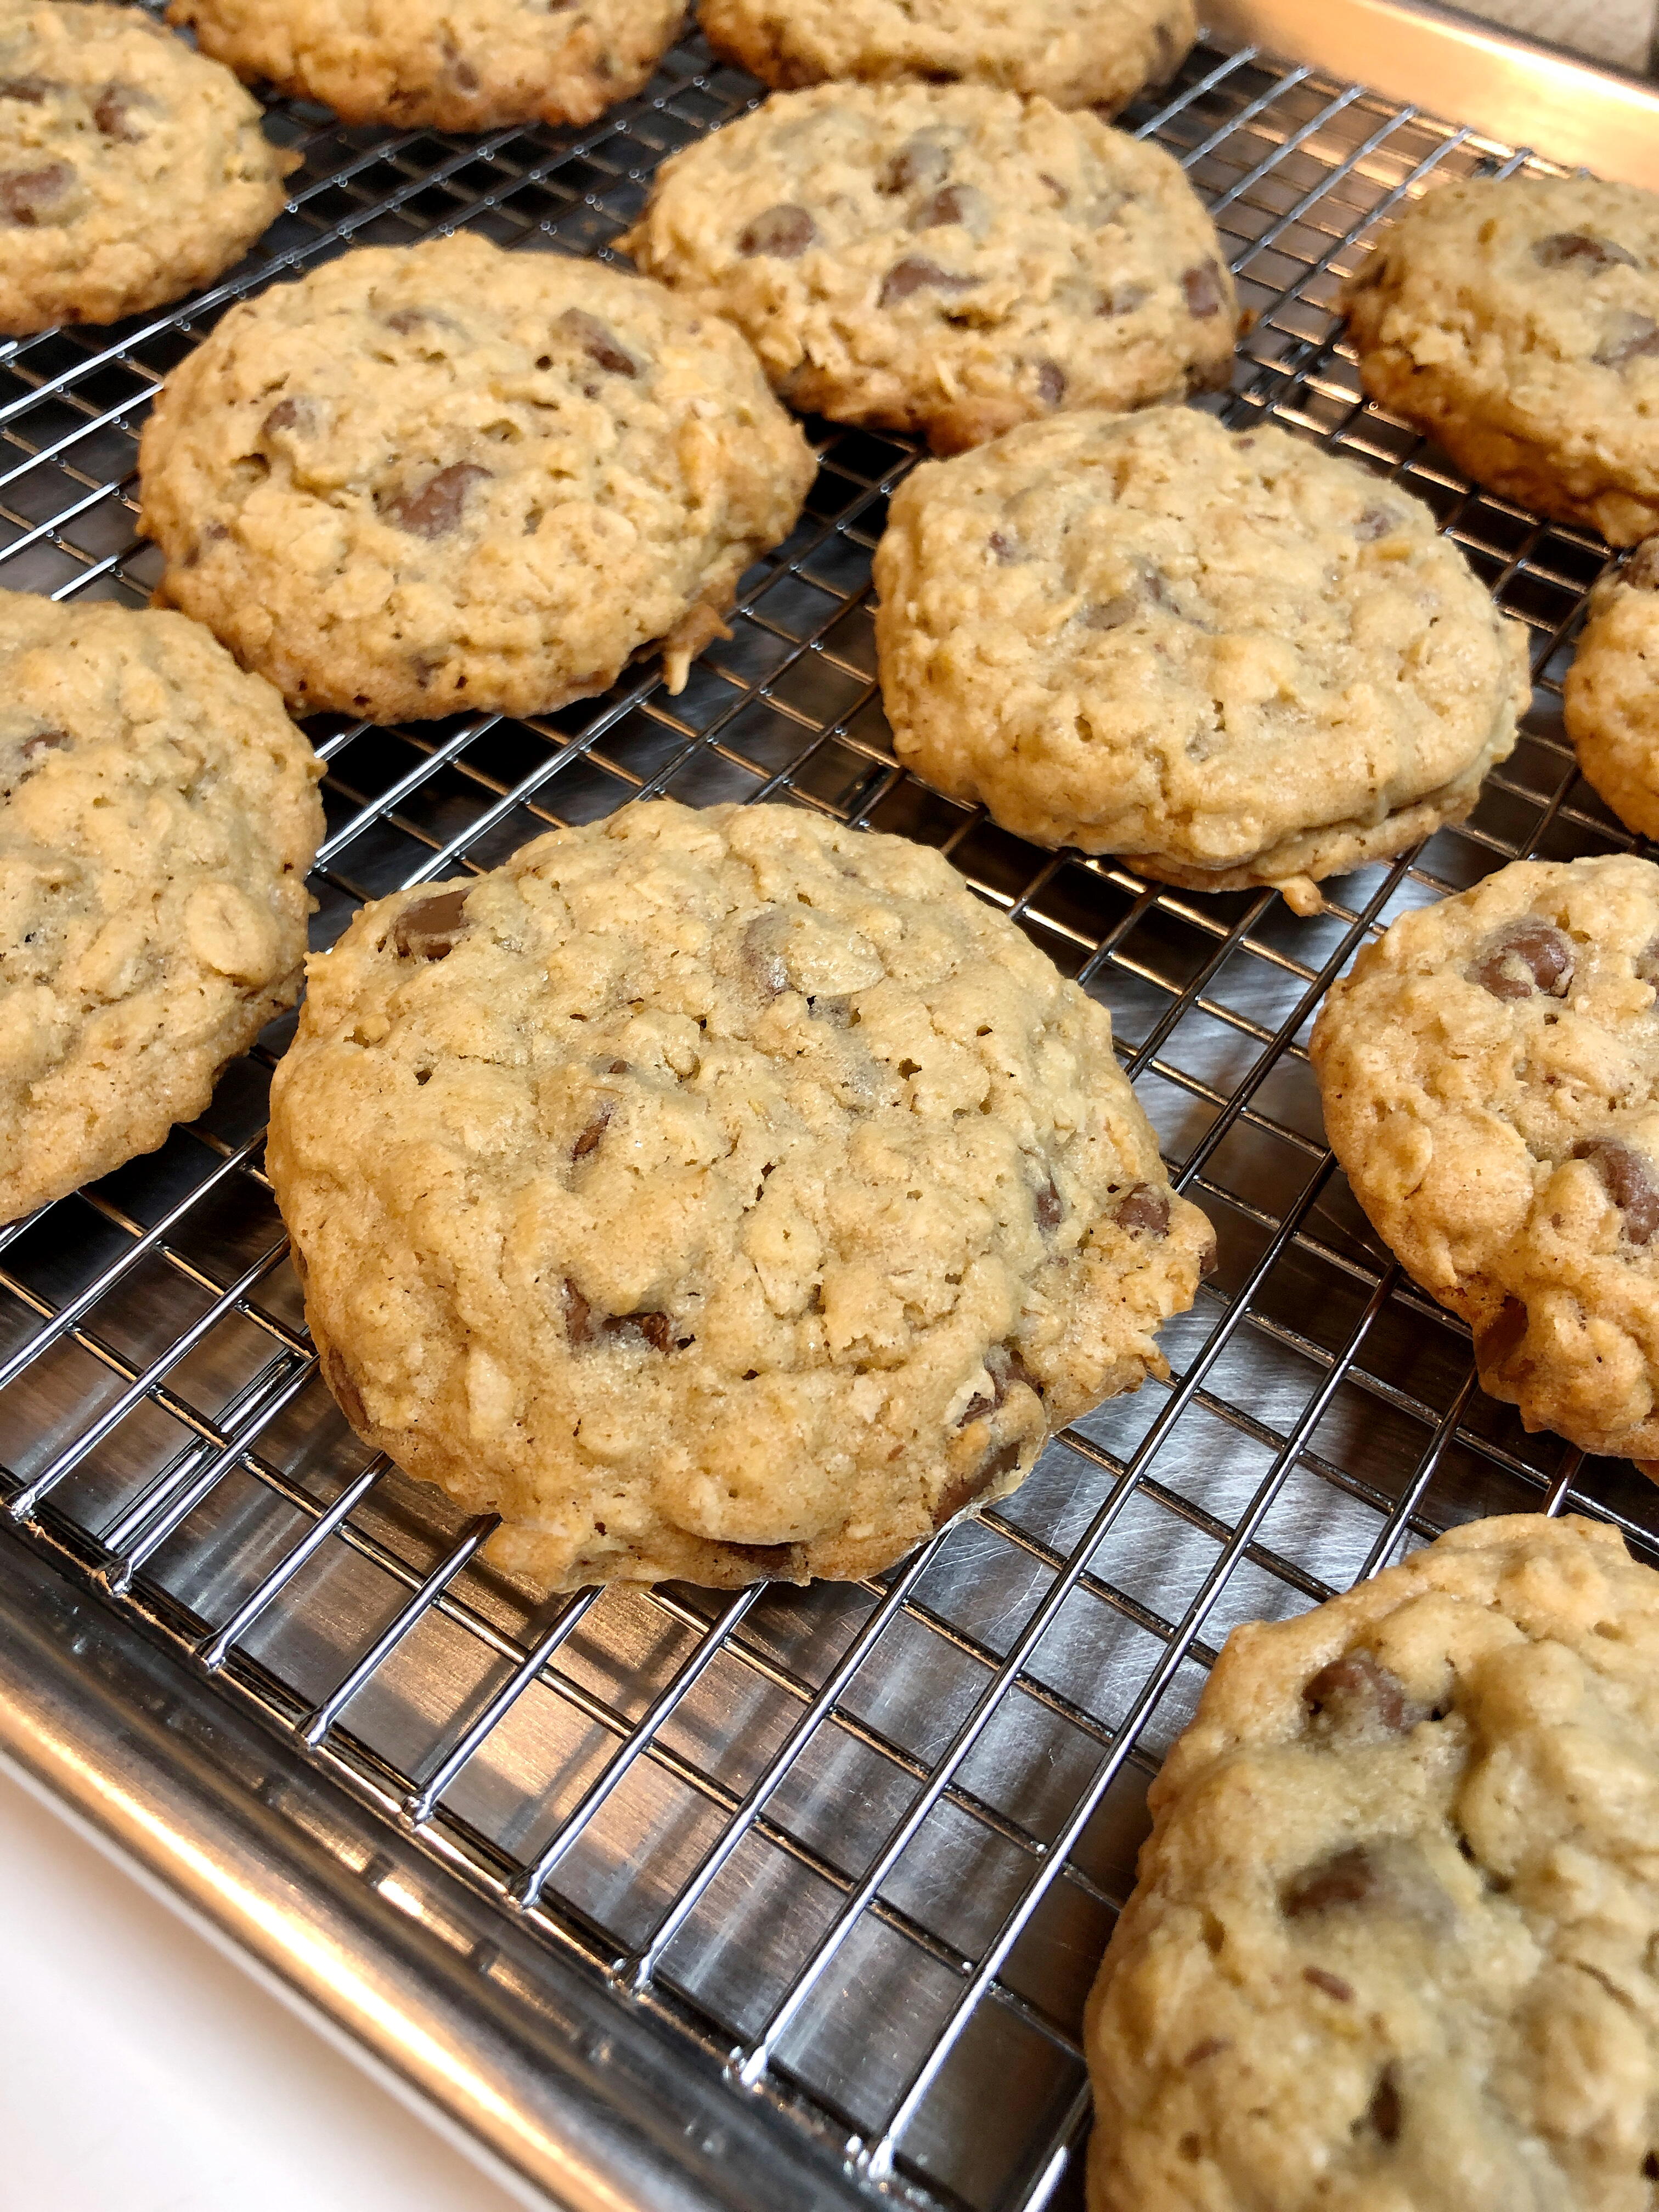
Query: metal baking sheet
[{"x": 789, "y": 1897}]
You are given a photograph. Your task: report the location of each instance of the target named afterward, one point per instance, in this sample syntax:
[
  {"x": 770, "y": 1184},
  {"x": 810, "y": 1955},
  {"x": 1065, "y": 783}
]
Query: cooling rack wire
[{"x": 862, "y": 1842}]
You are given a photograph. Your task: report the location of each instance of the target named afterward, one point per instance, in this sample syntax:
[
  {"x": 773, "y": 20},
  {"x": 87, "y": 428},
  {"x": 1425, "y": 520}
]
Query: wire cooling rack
[{"x": 861, "y": 1842}]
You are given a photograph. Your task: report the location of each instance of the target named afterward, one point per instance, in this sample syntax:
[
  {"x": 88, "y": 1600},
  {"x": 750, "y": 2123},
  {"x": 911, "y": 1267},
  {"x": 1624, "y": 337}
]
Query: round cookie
[
  {"x": 1490, "y": 1075},
  {"x": 1392, "y": 1942},
  {"x": 1516, "y": 321},
  {"x": 948, "y": 258},
  {"x": 1079, "y": 53},
  {"x": 1232, "y": 659},
  {"x": 443, "y": 477},
  {"x": 131, "y": 170},
  {"x": 719, "y": 1195},
  {"x": 158, "y": 813},
  {"x": 1611, "y": 692},
  {"x": 454, "y": 65}
]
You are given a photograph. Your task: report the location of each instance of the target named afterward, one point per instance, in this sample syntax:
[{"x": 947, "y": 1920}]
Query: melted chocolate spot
[
  {"x": 48, "y": 741},
  {"x": 1144, "y": 1211},
  {"x": 1007, "y": 549},
  {"x": 1212, "y": 2046},
  {"x": 431, "y": 929},
  {"x": 601, "y": 345},
  {"x": 1628, "y": 336},
  {"x": 436, "y": 509},
  {"x": 1051, "y": 383},
  {"x": 1524, "y": 957},
  {"x": 27, "y": 194},
  {"x": 1049, "y": 1207},
  {"x": 1502, "y": 1337},
  {"x": 917, "y": 274},
  {"x": 1203, "y": 288},
  {"x": 1209, "y": 1259},
  {"x": 1358, "y": 1691},
  {"x": 760, "y": 956},
  {"x": 962, "y": 1489},
  {"x": 782, "y": 234},
  {"x": 769, "y": 1561},
  {"x": 1333, "y": 1984},
  {"x": 1578, "y": 249},
  {"x": 578, "y": 1315},
  {"x": 919, "y": 163},
  {"x": 1384, "y": 2111},
  {"x": 1627, "y": 1175},
  {"x": 1647, "y": 963},
  {"x": 952, "y": 204},
  {"x": 114, "y": 113},
  {"x": 32, "y": 91},
  {"x": 1349, "y": 1877},
  {"x": 1375, "y": 522},
  {"x": 286, "y": 415},
  {"x": 596, "y": 1128},
  {"x": 1123, "y": 299}
]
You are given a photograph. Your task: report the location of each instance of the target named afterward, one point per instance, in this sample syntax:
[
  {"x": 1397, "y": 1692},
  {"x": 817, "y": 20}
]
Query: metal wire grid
[{"x": 865, "y": 1842}]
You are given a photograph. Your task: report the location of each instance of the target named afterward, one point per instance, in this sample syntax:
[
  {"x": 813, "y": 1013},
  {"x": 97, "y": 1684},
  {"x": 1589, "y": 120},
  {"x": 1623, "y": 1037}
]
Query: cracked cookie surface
[
  {"x": 454, "y": 65},
  {"x": 444, "y": 477},
  {"x": 949, "y": 259},
  {"x": 719, "y": 1195},
  {"x": 1489, "y": 1077},
  {"x": 132, "y": 170},
  {"x": 1611, "y": 697},
  {"x": 1079, "y": 53},
  {"x": 158, "y": 813},
  {"x": 1234, "y": 659},
  {"x": 1393, "y": 1941},
  {"x": 1516, "y": 321}
]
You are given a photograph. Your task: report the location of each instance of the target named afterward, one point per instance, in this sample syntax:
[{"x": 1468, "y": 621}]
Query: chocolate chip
[
  {"x": 952, "y": 204},
  {"x": 771, "y": 1562},
  {"x": 1647, "y": 963},
  {"x": 1062, "y": 197},
  {"x": 1006, "y": 1366},
  {"x": 618, "y": 1068},
  {"x": 1501, "y": 1337},
  {"x": 976, "y": 1408},
  {"x": 27, "y": 194},
  {"x": 596, "y": 1128},
  {"x": 286, "y": 415},
  {"x": 343, "y": 1384},
  {"x": 1049, "y": 1207},
  {"x": 436, "y": 509},
  {"x": 1005, "y": 548},
  {"x": 1144, "y": 1211},
  {"x": 1375, "y": 522},
  {"x": 1650, "y": 2166},
  {"x": 1123, "y": 299},
  {"x": 916, "y": 274},
  {"x": 1051, "y": 383},
  {"x": 782, "y": 234},
  {"x": 1384, "y": 2110},
  {"x": 1628, "y": 1178},
  {"x": 762, "y": 959},
  {"x": 431, "y": 929},
  {"x": 1564, "y": 249},
  {"x": 1110, "y": 614},
  {"x": 602, "y": 346},
  {"x": 114, "y": 113},
  {"x": 1524, "y": 957},
  {"x": 962, "y": 1489},
  {"x": 1333, "y": 1984},
  {"x": 1203, "y": 288},
  {"x": 578, "y": 1315},
  {"x": 463, "y": 75},
  {"x": 1348, "y": 1877},
  {"x": 1212, "y": 2046},
  {"x": 1209, "y": 1259},
  {"x": 1358, "y": 1691},
  {"x": 1628, "y": 336},
  {"x": 31, "y": 90},
  {"x": 656, "y": 1329},
  {"x": 48, "y": 741},
  {"x": 920, "y": 161}
]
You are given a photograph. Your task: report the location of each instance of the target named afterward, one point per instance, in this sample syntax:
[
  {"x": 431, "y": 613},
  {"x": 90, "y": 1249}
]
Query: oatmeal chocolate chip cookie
[
  {"x": 158, "y": 812},
  {"x": 949, "y": 259},
  {"x": 1234, "y": 659},
  {"x": 441, "y": 477},
  {"x": 454, "y": 65},
  {"x": 1490, "y": 1074},
  {"x": 719, "y": 1195},
  {"x": 1079, "y": 53},
  {"x": 131, "y": 169},
  {"x": 1612, "y": 696},
  {"x": 1392, "y": 1942},
  {"x": 1516, "y": 321}
]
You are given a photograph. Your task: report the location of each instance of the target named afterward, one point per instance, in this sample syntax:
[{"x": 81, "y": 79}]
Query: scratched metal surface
[{"x": 865, "y": 1842}]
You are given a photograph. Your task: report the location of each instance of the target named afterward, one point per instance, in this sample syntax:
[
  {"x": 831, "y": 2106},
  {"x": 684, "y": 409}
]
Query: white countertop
[{"x": 142, "y": 2071}]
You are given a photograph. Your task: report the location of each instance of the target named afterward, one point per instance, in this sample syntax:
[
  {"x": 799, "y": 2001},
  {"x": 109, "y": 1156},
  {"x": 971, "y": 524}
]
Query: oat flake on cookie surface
[
  {"x": 443, "y": 477},
  {"x": 948, "y": 258},
  {"x": 1234, "y": 659},
  {"x": 132, "y": 170},
  {"x": 158, "y": 813},
  {"x": 1393, "y": 1944},
  {"x": 718, "y": 1195}
]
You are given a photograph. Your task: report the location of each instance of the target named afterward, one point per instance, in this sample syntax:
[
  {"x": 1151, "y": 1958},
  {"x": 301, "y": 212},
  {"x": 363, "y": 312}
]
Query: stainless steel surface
[
  {"x": 1524, "y": 92},
  {"x": 806, "y": 1886}
]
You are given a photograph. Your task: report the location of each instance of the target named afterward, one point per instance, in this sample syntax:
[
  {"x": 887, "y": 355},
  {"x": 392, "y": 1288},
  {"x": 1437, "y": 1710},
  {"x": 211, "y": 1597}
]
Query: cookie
[
  {"x": 158, "y": 813},
  {"x": 1490, "y": 1074},
  {"x": 454, "y": 65},
  {"x": 946, "y": 259},
  {"x": 131, "y": 170},
  {"x": 1079, "y": 53},
  {"x": 721, "y": 1195},
  {"x": 443, "y": 477},
  {"x": 1392, "y": 1945},
  {"x": 1611, "y": 692},
  {"x": 1515, "y": 320},
  {"x": 1232, "y": 659}
]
